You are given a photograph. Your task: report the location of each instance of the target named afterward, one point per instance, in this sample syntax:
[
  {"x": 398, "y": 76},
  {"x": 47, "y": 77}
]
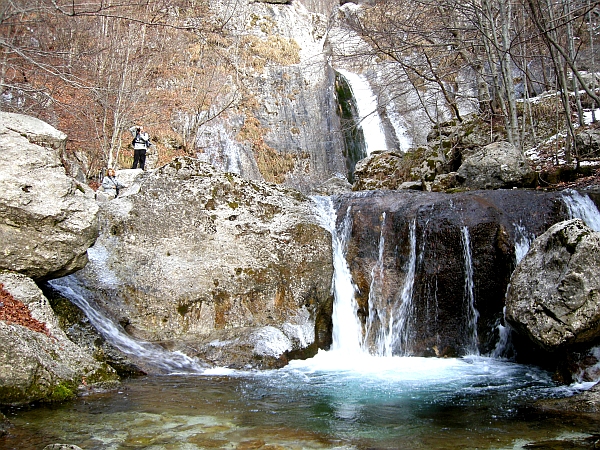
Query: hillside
[{"x": 255, "y": 87}]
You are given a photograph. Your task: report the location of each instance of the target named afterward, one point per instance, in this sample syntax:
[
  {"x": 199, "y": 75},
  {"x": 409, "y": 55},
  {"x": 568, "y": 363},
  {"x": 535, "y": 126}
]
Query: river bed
[{"x": 334, "y": 401}]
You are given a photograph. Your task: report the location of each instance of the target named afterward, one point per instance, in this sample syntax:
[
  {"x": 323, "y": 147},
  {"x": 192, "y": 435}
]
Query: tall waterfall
[
  {"x": 366, "y": 103},
  {"x": 347, "y": 329},
  {"x": 158, "y": 358}
]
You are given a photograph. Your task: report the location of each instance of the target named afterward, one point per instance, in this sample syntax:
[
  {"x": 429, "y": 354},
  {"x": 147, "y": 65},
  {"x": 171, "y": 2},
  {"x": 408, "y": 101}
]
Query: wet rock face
[
  {"x": 557, "y": 307},
  {"x": 197, "y": 252},
  {"x": 439, "y": 310},
  {"x": 47, "y": 219}
]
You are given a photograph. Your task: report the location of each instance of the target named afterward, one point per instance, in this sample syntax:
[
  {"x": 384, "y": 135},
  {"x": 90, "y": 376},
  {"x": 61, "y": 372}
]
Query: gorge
[{"x": 329, "y": 262}]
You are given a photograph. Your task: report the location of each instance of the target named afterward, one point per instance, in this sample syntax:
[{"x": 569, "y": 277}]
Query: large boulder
[
  {"x": 495, "y": 166},
  {"x": 559, "y": 306},
  {"x": 38, "y": 366},
  {"x": 235, "y": 271},
  {"x": 380, "y": 170},
  {"x": 438, "y": 264},
  {"x": 47, "y": 219}
]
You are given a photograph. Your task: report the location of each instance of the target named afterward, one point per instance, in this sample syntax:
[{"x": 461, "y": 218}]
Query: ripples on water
[{"x": 332, "y": 401}]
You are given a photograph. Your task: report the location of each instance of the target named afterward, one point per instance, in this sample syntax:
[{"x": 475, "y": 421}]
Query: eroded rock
[
  {"x": 47, "y": 219},
  {"x": 39, "y": 367},
  {"x": 495, "y": 166},
  {"x": 197, "y": 253},
  {"x": 554, "y": 294}
]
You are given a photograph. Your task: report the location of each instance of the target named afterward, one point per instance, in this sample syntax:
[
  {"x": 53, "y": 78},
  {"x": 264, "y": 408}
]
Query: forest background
[{"x": 95, "y": 68}]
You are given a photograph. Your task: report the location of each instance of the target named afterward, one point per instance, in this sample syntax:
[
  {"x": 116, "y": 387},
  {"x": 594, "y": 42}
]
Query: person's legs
[
  {"x": 136, "y": 158},
  {"x": 142, "y": 159}
]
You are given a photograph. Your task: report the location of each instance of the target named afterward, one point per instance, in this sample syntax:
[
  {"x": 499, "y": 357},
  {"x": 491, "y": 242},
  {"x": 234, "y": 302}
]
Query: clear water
[{"x": 335, "y": 400}]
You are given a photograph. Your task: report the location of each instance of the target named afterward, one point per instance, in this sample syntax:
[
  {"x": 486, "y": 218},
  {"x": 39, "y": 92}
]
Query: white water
[
  {"x": 402, "y": 331},
  {"x": 366, "y": 103},
  {"x": 347, "y": 330},
  {"x": 523, "y": 240},
  {"x": 472, "y": 313},
  {"x": 582, "y": 207},
  {"x": 377, "y": 315},
  {"x": 399, "y": 125},
  {"x": 153, "y": 355}
]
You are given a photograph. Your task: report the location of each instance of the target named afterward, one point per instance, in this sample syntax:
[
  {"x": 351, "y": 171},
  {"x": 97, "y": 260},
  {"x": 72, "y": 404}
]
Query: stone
[
  {"x": 197, "y": 253},
  {"x": 499, "y": 165},
  {"x": 333, "y": 186},
  {"x": 411, "y": 185},
  {"x": 62, "y": 447},
  {"x": 558, "y": 307},
  {"x": 47, "y": 219},
  {"x": 444, "y": 182},
  {"x": 380, "y": 170},
  {"x": 437, "y": 323},
  {"x": 588, "y": 142},
  {"x": 38, "y": 367}
]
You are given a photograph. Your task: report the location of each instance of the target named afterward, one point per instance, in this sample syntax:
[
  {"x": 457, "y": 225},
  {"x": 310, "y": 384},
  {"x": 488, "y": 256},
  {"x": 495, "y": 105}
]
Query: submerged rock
[
  {"x": 196, "y": 255},
  {"x": 559, "y": 306},
  {"x": 35, "y": 366},
  {"x": 47, "y": 219}
]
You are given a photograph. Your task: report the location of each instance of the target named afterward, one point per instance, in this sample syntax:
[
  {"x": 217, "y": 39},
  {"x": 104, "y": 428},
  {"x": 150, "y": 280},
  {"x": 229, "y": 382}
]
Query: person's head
[{"x": 111, "y": 172}]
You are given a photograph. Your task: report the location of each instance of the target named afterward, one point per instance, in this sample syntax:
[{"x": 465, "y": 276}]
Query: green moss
[
  {"x": 62, "y": 391},
  {"x": 233, "y": 205}
]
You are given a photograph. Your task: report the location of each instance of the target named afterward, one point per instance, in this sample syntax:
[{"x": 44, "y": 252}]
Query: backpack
[{"x": 137, "y": 140}]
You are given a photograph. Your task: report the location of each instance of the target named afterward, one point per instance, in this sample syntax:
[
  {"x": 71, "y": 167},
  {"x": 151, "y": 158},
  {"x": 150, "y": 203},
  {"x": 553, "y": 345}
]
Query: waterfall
[
  {"x": 377, "y": 313},
  {"x": 158, "y": 358},
  {"x": 523, "y": 240},
  {"x": 582, "y": 207},
  {"x": 347, "y": 330},
  {"x": 472, "y": 314},
  {"x": 366, "y": 103},
  {"x": 401, "y": 333}
]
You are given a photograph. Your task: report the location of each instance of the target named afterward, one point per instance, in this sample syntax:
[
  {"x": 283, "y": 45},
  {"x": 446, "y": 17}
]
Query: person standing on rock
[
  {"x": 110, "y": 185},
  {"x": 141, "y": 143}
]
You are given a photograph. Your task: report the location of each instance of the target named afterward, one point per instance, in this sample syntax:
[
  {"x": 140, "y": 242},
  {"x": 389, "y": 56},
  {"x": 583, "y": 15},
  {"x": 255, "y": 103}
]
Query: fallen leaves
[{"x": 16, "y": 312}]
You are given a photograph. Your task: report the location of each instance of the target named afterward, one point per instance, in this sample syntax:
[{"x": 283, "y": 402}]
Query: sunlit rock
[
  {"x": 198, "y": 256},
  {"x": 495, "y": 166},
  {"x": 47, "y": 219},
  {"x": 554, "y": 294}
]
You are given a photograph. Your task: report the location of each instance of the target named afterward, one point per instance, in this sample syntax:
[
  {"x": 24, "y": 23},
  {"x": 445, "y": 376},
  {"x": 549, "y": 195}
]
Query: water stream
[
  {"x": 366, "y": 103},
  {"x": 344, "y": 398}
]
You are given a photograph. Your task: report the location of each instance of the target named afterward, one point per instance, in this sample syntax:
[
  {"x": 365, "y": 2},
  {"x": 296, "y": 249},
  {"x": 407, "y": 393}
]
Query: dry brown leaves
[{"x": 16, "y": 312}]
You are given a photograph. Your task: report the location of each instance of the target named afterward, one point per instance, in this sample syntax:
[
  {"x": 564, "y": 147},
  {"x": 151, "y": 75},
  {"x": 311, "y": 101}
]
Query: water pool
[{"x": 334, "y": 401}]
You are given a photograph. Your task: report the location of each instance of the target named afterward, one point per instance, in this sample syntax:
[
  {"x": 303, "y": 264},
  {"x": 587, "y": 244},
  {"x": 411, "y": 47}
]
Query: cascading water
[
  {"x": 471, "y": 312},
  {"x": 152, "y": 355},
  {"x": 582, "y": 207},
  {"x": 399, "y": 330},
  {"x": 366, "y": 103},
  {"x": 377, "y": 315},
  {"x": 347, "y": 330},
  {"x": 523, "y": 240}
]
